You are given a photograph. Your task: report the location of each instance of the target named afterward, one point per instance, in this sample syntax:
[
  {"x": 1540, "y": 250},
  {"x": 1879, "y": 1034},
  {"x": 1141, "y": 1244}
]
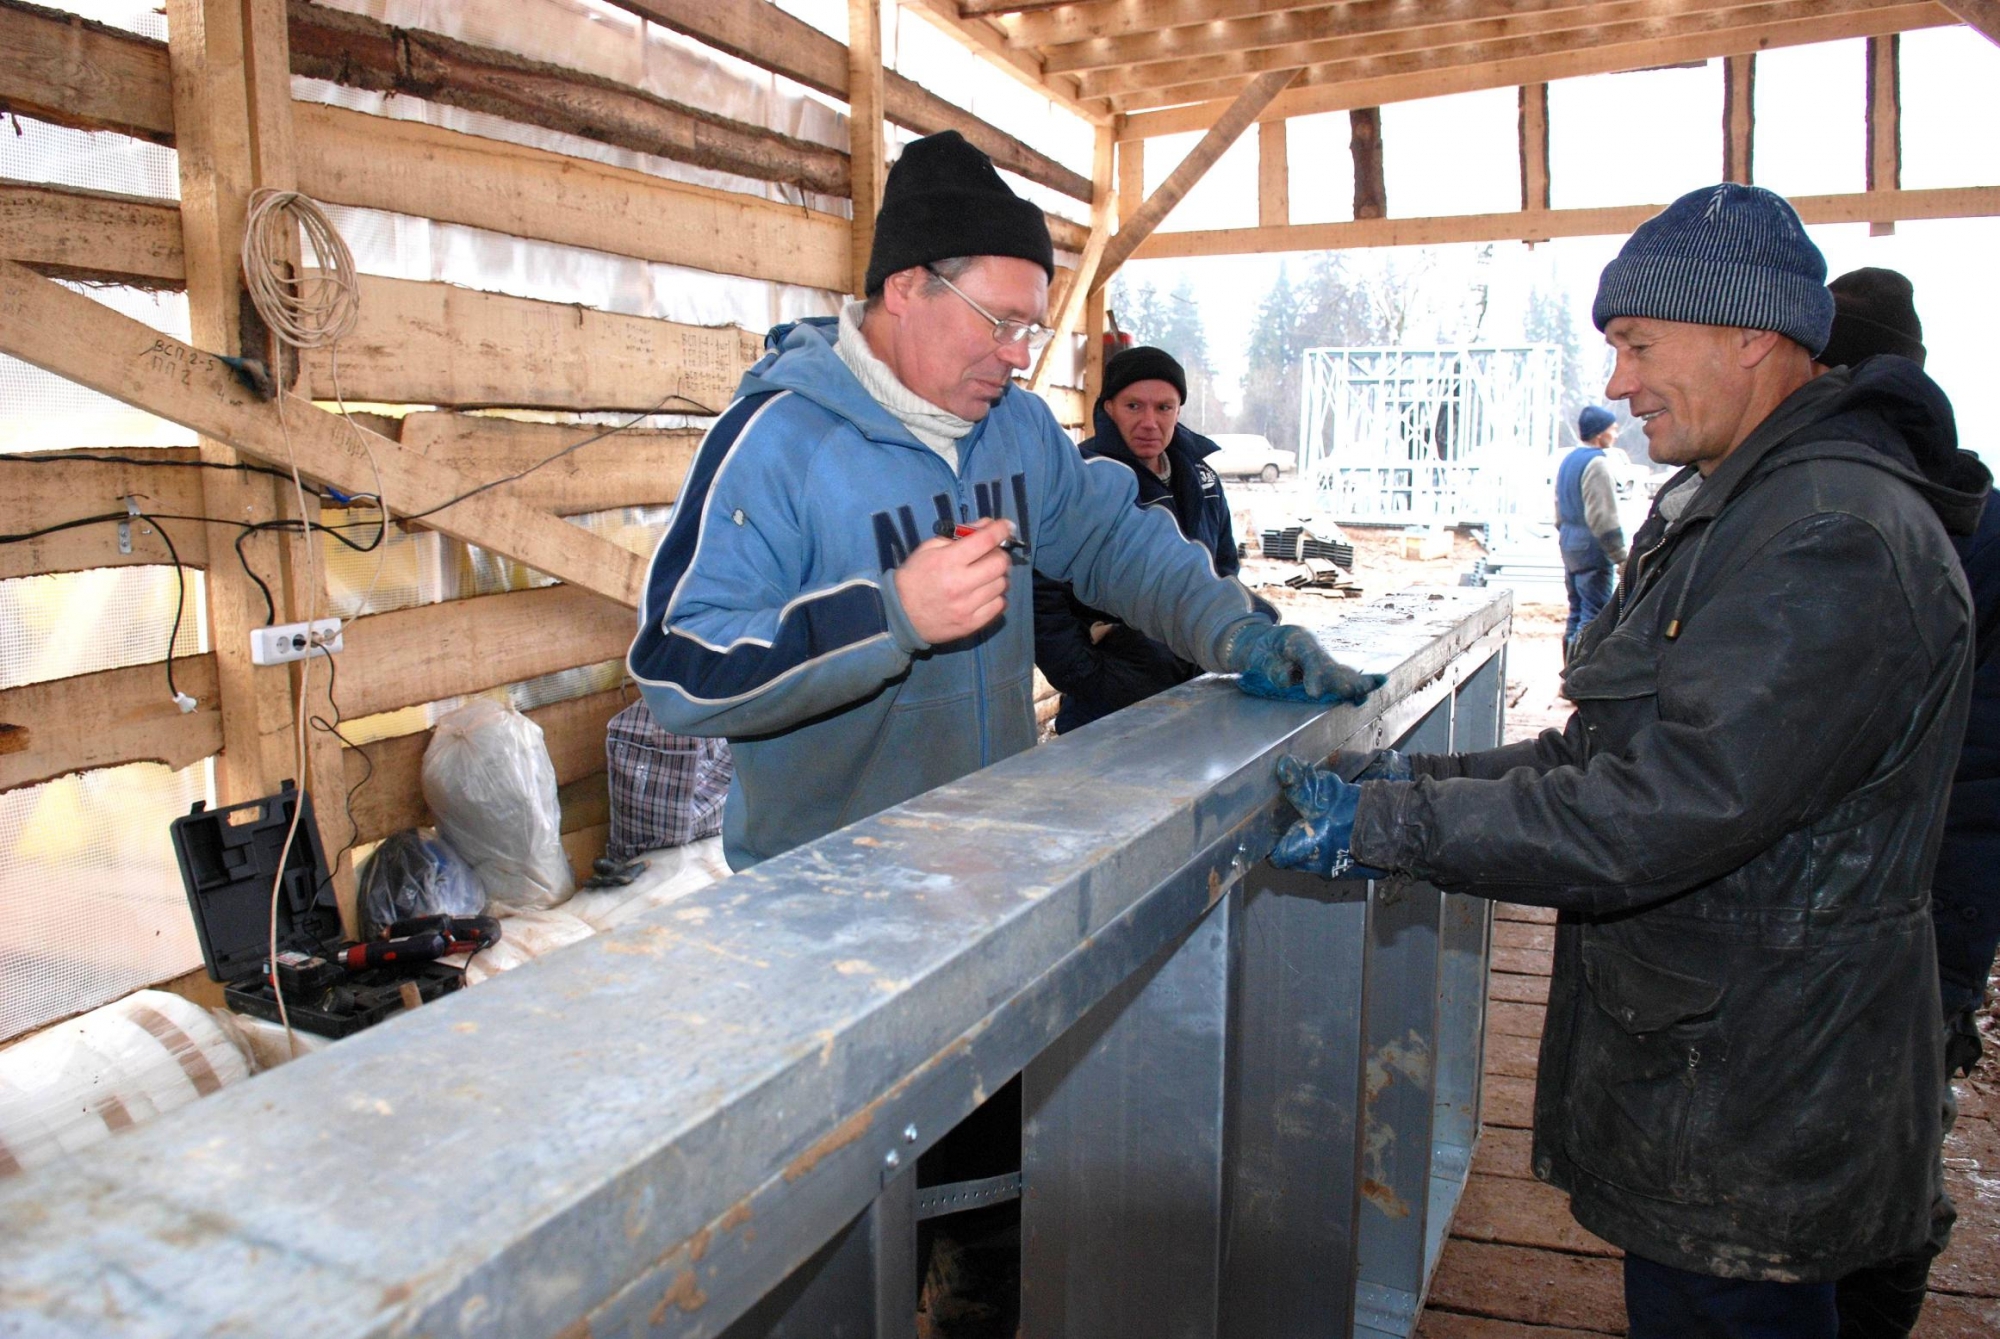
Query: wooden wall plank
[
  {"x": 767, "y": 36},
  {"x": 1537, "y": 225},
  {"x": 50, "y": 487},
  {"x": 377, "y": 162},
  {"x": 360, "y": 52},
  {"x": 445, "y": 650},
  {"x": 391, "y": 797},
  {"x": 636, "y": 468},
  {"x": 64, "y": 332},
  {"x": 92, "y": 235},
  {"x": 433, "y": 343},
  {"x": 115, "y": 716},
  {"x": 75, "y": 72}
]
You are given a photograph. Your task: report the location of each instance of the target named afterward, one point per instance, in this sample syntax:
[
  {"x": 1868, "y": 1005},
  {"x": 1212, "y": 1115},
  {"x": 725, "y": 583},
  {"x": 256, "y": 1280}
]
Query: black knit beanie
[
  {"x": 1874, "y": 311},
  {"x": 1144, "y": 363},
  {"x": 944, "y": 199}
]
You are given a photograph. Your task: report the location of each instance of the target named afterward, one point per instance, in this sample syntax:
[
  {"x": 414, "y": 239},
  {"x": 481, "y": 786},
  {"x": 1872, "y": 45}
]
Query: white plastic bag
[{"x": 492, "y": 788}]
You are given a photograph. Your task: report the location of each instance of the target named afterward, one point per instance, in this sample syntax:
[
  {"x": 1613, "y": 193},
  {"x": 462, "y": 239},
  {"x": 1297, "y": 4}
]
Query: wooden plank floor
[{"x": 1517, "y": 1266}]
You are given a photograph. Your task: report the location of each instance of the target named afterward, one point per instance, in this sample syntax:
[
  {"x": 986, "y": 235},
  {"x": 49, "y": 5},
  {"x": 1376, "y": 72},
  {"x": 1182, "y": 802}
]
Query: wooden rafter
[
  {"x": 68, "y": 334},
  {"x": 1371, "y": 27},
  {"x": 988, "y": 41},
  {"x": 1228, "y": 128},
  {"x": 1735, "y": 29},
  {"x": 1051, "y": 25},
  {"x": 1980, "y": 15},
  {"x": 1497, "y": 65},
  {"x": 1539, "y": 225}
]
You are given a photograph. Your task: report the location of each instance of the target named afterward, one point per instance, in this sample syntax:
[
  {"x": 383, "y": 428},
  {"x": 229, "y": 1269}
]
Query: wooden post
[
  {"x": 864, "y": 127},
  {"x": 1228, "y": 128},
  {"x": 1274, "y": 176},
  {"x": 1371, "y": 194},
  {"x": 230, "y": 141},
  {"x": 1739, "y": 117},
  {"x": 1131, "y": 179},
  {"x": 1534, "y": 125},
  {"x": 1885, "y": 122},
  {"x": 1080, "y": 287}
]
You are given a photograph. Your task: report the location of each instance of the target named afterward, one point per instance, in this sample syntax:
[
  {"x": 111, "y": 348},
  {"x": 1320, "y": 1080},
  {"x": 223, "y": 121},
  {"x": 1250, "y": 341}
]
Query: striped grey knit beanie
[{"x": 1722, "y": 255}]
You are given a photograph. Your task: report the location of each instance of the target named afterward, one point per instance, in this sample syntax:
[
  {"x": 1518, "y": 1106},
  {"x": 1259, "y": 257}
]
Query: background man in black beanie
[
  {"x": 1874, "y": 315},
  {"x": 1097, "y": 663},
  {"x": 1741, "y": 1059},
  {"x": 845, "y": 589}
]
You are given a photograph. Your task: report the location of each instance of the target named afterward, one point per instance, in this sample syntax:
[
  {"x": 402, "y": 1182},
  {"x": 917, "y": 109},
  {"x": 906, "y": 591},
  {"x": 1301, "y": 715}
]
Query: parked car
[{"x": 1249, "y": 455}]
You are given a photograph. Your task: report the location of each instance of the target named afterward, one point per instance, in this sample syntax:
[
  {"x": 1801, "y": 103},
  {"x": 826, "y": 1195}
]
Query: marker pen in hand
[{"x": 948, "y": 530}]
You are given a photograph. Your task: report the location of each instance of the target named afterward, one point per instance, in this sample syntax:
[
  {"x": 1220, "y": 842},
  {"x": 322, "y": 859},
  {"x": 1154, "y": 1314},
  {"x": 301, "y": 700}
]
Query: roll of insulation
[{"x": 107, "y": 1071}]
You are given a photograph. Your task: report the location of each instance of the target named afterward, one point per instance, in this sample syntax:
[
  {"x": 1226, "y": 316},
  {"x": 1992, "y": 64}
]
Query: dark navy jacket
[
  {"x": 1127, "y": 666},
  {"x": 1965, "y": 893}
]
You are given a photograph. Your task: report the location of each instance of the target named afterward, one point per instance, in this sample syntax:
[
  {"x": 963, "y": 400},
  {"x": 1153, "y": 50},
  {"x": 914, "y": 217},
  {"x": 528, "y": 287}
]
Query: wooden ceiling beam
[
  {"x": 1290, "y": 28},
  {"x": 986, "y": 40},
  {"x": 1640, "y": 26},
  {"x": 1116, "y": 18},
  {"x": 1983, "y": 16},
  {"x": 1211, "y": 55},
  {"x": 1351, "y": 84}
]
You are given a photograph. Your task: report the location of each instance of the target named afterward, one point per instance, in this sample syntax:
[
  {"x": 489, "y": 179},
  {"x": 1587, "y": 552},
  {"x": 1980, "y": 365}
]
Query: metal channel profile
[{"x": 707, "y": 1121}]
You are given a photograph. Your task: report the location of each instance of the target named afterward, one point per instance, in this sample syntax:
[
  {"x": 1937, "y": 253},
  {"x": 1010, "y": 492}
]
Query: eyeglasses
[{"x": 1006, "y": 331}]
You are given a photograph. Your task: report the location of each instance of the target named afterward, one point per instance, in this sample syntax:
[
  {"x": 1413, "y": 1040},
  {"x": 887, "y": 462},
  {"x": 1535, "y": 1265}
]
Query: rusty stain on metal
[
  {"x": 738, "y": 1215},
  {"x": 1383, "y": 1198},
  {"x": 698, "y": 1246},
  {"x": 685, "y": 1294},
  {"x": 576, "y": 1329},
  {"x": 839, "y": 1137},
  {"x": 394, "y": 1295},
  {"x": 854, "y": 967}
]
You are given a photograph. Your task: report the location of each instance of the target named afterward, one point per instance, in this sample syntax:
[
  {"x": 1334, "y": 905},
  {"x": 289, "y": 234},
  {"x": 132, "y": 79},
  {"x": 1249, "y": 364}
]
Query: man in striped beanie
[{"x": 1741, "y": 1058}]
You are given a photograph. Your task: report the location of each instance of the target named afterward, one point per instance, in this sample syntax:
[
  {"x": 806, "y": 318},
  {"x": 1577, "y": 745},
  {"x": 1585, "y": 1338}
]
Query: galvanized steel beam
[{"x": 694, "y": 1119}]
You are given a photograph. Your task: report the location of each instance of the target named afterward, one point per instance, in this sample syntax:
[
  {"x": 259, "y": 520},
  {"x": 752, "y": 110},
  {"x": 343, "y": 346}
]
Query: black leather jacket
[{"x": 1741, "y": 1064}]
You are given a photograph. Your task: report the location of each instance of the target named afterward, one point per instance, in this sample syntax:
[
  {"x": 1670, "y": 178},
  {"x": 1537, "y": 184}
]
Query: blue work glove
[
  {"x": 1319, "y": 840},
  {"x": 1283, "y": 661}
]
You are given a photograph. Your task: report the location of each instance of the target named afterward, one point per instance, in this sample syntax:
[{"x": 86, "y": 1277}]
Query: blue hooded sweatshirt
[{"x": 770, "y": 617}]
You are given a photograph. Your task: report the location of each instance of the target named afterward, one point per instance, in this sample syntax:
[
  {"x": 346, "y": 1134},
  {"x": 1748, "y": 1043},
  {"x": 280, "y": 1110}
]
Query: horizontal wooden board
[
  {"x": 1505, "y": 1151},
  {"x": 105, "y": 719},
  {"x": 583, "y": 846},
  {"x": 1515, "y": 1020},
  {"x": 1457, "y": 1325},
  {"x": 637, "y": 467},
  {"x": 64, "y": 332},
  {"x": 1515, "y": 911},
  {"x": 1506, "y": 1100},
  {"x": 436, "y": 651},
  {"x": 1517, "y": 989},
  {"x": 433, "y": 343},
  {"x": 1540, "y": 938},
  {"x": 389, "y": 772},
  {"x": 1527, "y": 961},
  {"x": 377, "y": 162},
  {"x": 1512, "y": 1056},
  {"x": 1522, "y": 1213},
  {"x": 75, "y": 72},
  {"x": 1581, "y": 1292},
  {"x": 92, "y": 235},
  {"x": 55, "y": 486},
  {"x": 1949, "y": 1317}
]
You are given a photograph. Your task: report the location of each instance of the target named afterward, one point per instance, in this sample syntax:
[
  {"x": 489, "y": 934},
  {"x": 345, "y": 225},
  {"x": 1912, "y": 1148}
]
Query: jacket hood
[
  {"x": 800, "y": 358},
  {"x": 1883, "y": 412},
  {"x": 1110, "y": 443}
]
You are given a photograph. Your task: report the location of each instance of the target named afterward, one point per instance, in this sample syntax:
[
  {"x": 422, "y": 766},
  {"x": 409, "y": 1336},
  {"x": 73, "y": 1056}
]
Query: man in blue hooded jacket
[
  {"x": 1587, "y": 524},
  {"x": 845, "y": 590},
  {"x": 1098, "y": 664}
]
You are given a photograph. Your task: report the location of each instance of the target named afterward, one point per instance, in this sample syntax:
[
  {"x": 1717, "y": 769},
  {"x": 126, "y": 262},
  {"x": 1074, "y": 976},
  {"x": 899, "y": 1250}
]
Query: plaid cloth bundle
[{"x": 666, "y": 789}]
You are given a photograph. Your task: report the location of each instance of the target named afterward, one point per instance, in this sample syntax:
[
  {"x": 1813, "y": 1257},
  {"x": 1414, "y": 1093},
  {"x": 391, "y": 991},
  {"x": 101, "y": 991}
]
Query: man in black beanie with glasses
[{"x": 833, "y": 594}]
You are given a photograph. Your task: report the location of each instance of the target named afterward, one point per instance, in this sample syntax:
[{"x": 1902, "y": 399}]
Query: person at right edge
[
  {"x": 1875, "y": 325},
  {"x": 1741, "y": 1058},
  {"x": 1587, "y": 525}
]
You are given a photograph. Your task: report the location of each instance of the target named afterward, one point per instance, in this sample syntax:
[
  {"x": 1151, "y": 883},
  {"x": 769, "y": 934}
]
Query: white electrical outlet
[{"x": 294, "y": 641}]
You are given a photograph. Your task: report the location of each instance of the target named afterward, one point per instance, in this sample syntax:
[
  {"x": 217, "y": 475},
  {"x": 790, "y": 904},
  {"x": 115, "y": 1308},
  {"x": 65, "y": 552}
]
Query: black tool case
[{"x": 228, "y": 859}]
